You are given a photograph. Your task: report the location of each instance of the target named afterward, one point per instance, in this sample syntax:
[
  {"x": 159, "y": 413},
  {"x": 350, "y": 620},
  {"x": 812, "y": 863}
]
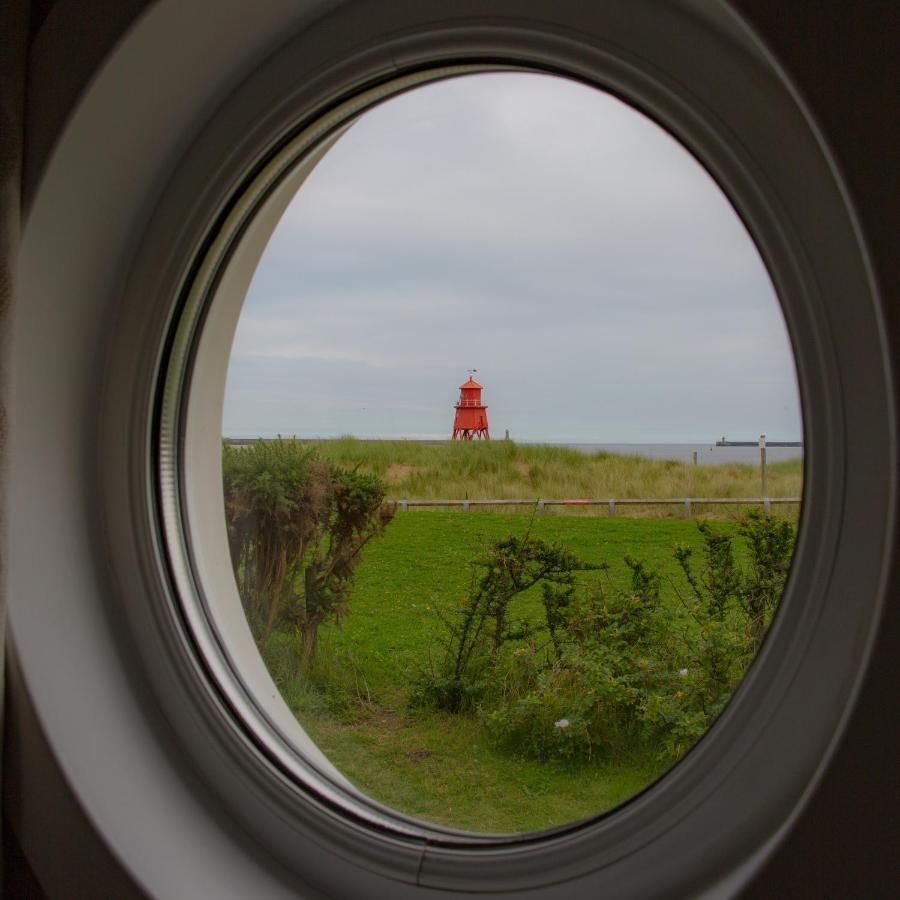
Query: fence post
[
  {"x": 540, "y": 507},
  {"x": 766, "y": 505},
  {"x": 612, "y": 507},
  {"x": 687, "y": 507},
  {"x": 404, "y": 505},
  {"x": 762, "y": 465},
  {"x": 695, "y": 457},
  {"x": 465, "y": 505}
]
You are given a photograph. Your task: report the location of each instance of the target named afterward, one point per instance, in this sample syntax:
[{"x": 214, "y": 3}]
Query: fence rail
[{"x": 686, "y": 502}]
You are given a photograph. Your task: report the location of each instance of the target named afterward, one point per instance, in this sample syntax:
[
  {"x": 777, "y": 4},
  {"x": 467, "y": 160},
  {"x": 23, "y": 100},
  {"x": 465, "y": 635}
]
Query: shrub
[
  {"x": 478, "y": 629},
  {"x": 588, "y": 702},
  {"x": 771, "y": 544},
  {"x": 613, "y": 669},
  {"x": 728, "y": 610},
  {"x": 296, "y": 530}
]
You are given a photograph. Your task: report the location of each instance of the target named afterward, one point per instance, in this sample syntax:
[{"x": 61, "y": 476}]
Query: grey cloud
[{"x": 536, "y": 229}]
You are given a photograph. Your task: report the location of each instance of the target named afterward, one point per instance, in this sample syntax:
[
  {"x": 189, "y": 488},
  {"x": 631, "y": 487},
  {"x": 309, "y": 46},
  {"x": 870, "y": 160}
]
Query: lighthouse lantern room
[{"x": 470, "y": 421}]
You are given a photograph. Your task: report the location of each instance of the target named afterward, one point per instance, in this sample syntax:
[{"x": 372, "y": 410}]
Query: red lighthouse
[{"x": 470, "y": 421}]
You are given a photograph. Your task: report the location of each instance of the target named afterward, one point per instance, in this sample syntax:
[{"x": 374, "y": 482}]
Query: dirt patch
[
  {"x": 418, "y": 754},
  {"x": 397, "y": 472},
  {"x": 522, "y": 467},
  {"x": 383, "y": 718}
]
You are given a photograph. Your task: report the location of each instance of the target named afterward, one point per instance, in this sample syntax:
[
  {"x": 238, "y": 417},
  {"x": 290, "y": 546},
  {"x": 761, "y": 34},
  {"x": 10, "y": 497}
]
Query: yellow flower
[{"x": 679, "y": 694}]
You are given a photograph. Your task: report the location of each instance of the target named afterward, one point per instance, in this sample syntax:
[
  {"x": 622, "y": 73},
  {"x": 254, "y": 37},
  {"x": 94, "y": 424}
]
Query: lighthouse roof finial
[{"x": 471, "y": 383}]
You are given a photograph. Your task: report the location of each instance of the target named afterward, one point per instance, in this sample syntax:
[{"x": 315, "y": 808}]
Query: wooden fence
[{"x": 686, "y": 502}]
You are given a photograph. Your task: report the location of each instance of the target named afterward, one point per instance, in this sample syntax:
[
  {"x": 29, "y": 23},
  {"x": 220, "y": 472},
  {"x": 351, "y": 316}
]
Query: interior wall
[
  {"x": 13, "y": 49},
  {"x": 48, "y": 53},
  {"x": 14, "y": 21},
  {"x": 844, "y": 59}
]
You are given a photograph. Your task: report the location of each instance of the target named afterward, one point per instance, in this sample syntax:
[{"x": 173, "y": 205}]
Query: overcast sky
[{"x": 532, "y": 228}]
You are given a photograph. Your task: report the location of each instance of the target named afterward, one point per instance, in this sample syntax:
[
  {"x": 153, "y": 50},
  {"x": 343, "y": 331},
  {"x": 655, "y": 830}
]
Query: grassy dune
[{"x": 506, "y": 470}]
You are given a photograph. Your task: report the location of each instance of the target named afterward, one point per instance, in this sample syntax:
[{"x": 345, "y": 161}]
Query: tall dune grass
[{"x": 501, "y": 470}]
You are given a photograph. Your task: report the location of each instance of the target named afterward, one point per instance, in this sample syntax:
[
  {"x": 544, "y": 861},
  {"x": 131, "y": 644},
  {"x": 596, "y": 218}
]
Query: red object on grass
[{"x": 470, "y": 422}]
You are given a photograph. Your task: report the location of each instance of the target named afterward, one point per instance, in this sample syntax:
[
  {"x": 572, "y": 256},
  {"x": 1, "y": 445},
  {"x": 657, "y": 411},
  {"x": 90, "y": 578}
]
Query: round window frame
[
  {"x": 190, "y": 495},
  {"x": 584, "y": 855}
]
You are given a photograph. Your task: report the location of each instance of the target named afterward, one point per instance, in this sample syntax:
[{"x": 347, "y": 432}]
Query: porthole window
[
  {"x": 136, "y": 320},
  {"x": 546, "y": 655},
  {"x": 530, "y": 661}
]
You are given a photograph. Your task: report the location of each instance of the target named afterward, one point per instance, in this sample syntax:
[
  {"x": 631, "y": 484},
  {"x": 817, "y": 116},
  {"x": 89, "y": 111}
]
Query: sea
[{"x": 708, "y": 454}]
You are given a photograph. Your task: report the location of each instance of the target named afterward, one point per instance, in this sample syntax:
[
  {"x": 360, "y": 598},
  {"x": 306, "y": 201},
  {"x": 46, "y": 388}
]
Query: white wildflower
[
  {"x": 682, "y": 673},
  {"x": 561, "y": 723}
]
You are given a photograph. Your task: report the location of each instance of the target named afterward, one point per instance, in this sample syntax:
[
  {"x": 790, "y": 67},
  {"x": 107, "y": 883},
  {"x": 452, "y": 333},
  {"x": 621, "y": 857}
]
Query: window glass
[{"x": 512, "y": 452}]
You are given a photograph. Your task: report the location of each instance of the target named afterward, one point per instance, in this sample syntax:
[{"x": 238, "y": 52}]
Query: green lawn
[{"x": 437, "y": 766}]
